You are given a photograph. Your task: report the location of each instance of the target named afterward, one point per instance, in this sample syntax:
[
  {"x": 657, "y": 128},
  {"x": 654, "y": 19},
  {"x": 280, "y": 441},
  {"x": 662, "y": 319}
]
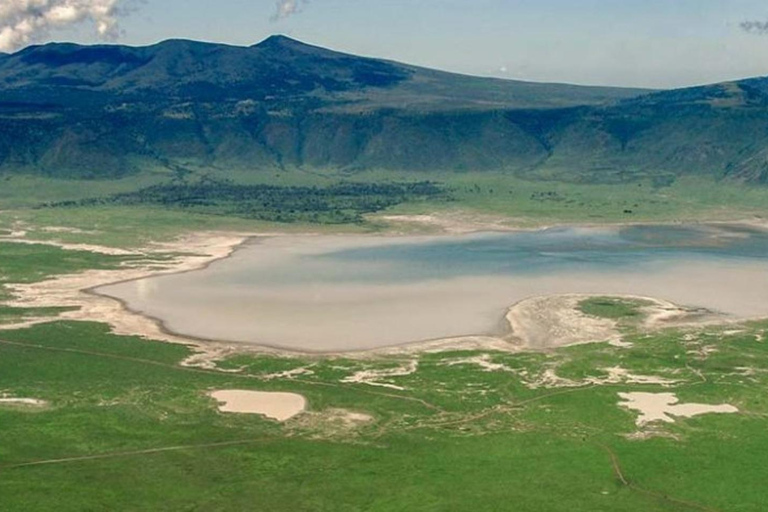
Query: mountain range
[{"x": 107, "y": 111}]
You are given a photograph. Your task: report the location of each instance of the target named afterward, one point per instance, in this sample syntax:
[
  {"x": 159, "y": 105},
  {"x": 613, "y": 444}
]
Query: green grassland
[
  {"x": 127, "y": 428},
  {"x": 532, "y": 203},
  {"x": 122, "y": 215},
  {"x": 136, "y": 227},
  {"x": 13, "y": 315}
]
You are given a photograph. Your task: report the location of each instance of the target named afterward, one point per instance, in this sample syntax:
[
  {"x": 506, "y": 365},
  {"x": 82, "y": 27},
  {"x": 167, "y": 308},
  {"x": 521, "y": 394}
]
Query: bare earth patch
[
  {"x": 448, "y": 222},
  {"x": 549, "y": 379},
  {"x": 289, "y": 374},
  {"x": 344, "y": 418},
  {"x": 19, "y": 237},
  {"x": 556, "y": 321},
  {"x": 618, "y": 375},
  {"x": 23, "y": 402},
  {"x": 276, "y": 406},
  {"x": 62, "y": 229},
  {"x": 664, "y": 407},
  {"x": 484, "y": 361},
  {"x": 458, "y": 344},
  {"x": 331, "y": 423},
  {"x": 375, "y": 377}
]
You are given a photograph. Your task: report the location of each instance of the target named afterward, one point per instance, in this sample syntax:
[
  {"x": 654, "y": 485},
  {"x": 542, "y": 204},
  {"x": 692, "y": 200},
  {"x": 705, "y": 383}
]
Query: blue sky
[{"x": 656, "y": 43}]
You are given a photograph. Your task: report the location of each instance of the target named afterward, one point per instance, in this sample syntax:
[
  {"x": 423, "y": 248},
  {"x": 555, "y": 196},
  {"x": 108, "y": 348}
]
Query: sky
[{"x": 645, "y": 43}]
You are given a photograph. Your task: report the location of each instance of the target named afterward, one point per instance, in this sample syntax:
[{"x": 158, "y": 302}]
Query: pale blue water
[
  {"x": 335, "y": 293},
  {"x": 631, "y": 249},
  {"x": 560, "y": 249}
]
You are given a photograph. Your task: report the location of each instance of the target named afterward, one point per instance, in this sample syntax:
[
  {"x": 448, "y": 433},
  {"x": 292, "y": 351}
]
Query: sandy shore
[
  {"x": 551, "y": 322},
  {"x": 194, "y": 252},
  {"x": 450, "y": 223},
  {"x": 543, "y": 323},
  {"x": 454, "y": 223}
]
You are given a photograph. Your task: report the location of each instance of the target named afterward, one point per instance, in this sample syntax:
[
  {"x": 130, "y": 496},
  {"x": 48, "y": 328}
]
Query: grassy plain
[
  {"x": 127, "y": 428},
  {"x": 533, "y": 203},
  {"x": 515, "y": 201}
]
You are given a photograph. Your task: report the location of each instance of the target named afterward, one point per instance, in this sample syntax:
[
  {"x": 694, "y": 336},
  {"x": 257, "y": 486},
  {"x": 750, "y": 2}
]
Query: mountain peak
[
  {"x": 281, "y": 41},
  {"x": 279, "y": 68},
  {"x": 277, "y": 38}
]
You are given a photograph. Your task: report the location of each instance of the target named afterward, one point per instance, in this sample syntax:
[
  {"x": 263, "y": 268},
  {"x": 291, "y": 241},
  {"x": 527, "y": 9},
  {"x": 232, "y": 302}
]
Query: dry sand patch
[
  {"x": 484, "y": 361},
  {"x": 451, "y": 222},
  {"x": 665, "y": 407},
  {"x": 618, "y": 375},
  {"x": 276, "y": 406},
  {"x": 374, "y": 377},
  {"x": 556, "y": 321},
  {"x": 549, "y": 379},
  {"x": 289, "y": 374},
  {"x": 25, "y": 402},
  {"x": 98, "y": 249}
]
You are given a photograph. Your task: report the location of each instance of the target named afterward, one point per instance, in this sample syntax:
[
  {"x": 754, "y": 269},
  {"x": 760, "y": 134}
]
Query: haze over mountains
[{"x": 106, "y": 111}]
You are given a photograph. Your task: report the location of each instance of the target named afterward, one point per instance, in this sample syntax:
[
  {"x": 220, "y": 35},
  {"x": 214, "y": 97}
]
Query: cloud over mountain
[{"x": 26, "y": 21}]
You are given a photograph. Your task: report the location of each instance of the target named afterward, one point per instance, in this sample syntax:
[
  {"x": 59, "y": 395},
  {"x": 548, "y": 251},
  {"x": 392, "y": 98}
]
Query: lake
[{"x": 348, "y": 293}]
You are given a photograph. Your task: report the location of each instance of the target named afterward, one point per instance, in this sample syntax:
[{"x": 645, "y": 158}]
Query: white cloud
[
  {"x": 286, "y": 8},
  {"x": 26, "y": 21}
]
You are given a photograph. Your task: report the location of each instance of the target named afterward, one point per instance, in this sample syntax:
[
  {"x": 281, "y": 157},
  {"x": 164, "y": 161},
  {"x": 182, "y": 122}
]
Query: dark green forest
[{"x": 336, "y": 204}]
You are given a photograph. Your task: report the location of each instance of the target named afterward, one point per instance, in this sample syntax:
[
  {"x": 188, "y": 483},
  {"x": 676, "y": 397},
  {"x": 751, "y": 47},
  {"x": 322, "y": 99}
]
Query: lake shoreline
[
  {"x": 82, "y": 290},
  {"x": 495, "y": 333}
]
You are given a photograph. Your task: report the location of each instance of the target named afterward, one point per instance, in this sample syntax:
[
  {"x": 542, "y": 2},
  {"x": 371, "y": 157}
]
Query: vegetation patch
[
  {"x": 613, "y": 308},
  {"x": 29, "y": 263},
  {"x": 12, "y": 315},
  {"x": 334, "y": 204}
]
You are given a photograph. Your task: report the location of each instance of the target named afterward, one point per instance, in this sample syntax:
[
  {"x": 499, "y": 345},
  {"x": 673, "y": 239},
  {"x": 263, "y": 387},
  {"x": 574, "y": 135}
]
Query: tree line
[{"x": 335, "y": 204}]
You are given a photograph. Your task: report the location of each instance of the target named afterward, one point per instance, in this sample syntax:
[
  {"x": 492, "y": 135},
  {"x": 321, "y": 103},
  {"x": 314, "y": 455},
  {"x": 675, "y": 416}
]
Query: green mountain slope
[{"x": 108, "y": 111}]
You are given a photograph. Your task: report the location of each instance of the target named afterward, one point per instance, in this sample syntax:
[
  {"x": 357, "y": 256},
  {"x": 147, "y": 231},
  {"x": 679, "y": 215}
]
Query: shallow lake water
[{"x": 345, "y": 293}]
